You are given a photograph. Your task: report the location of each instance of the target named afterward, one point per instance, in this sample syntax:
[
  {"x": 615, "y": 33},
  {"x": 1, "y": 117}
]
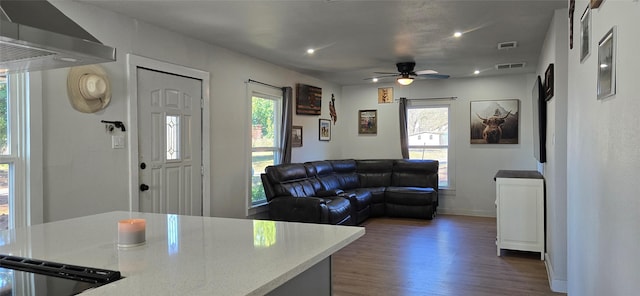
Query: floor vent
[
  {"x": 507, "y": 45},
  {"x": 511, "y": 66}
]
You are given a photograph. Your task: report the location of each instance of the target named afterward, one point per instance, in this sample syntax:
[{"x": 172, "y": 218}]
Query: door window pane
[{"x": 173, "y": 137}]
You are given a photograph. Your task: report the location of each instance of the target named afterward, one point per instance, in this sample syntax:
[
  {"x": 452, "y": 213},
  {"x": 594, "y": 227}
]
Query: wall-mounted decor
[
  {"x": 332, "y": 109},
  {"x": 308, "y": 99},
  {"x": 585, "y": 34},
  {"x": 296, "y": 136},
  {"x": 596, "y": 3},
  {"x": 607, "y": 65},
  {"x": 88, "y": 88},
  {"x": 324, "y": 130},
  {"x": 368, "y": 122},
  {"x": 548, "y": 82},
  {"x": 385, "y": 95},
  {"x": 539, "y": 121},
  {"x": 572, "y": 8},
  {"x": 494, "y": 122}
]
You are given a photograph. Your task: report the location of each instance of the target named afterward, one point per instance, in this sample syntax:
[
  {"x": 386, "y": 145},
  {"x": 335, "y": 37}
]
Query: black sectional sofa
[{"x": 349, "y": 191}]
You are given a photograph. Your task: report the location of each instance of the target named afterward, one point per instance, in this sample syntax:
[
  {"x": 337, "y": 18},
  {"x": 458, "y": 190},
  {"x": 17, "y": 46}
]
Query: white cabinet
[{"x": 520, "y": 211}]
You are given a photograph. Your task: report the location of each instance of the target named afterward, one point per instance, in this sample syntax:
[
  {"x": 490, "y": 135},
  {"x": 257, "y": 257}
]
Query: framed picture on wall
[
  {"x": 296, "y": 136},
  {"x": 324, "y": 130},
  {"x": 385, "y": 95},
  {"x": 607, "y": 65},
  {"x": 308, "y": 99},
  {"x": 494, "y": 122},
  {"x": 368, "y": 122},
  {"x": 585, "y": 34}
]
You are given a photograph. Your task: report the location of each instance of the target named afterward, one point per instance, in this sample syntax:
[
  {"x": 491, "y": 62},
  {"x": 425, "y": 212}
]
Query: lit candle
[{"x": 131, "y": 232}]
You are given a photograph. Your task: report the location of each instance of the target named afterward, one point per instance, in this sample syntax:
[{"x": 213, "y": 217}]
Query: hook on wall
[{"x": 112, "y": 124}]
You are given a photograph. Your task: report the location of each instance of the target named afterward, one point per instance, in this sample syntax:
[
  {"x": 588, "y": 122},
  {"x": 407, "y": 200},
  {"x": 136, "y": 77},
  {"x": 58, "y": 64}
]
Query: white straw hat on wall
[{"x": 88, "y": 88}]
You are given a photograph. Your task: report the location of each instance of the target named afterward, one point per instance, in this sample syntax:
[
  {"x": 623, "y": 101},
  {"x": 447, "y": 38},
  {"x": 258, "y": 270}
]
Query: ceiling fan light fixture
[{"x": 405, "y": 80}]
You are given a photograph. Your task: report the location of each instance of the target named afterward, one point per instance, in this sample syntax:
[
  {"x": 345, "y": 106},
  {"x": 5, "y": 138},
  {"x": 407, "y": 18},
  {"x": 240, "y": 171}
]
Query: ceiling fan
[{"x": 406, "y": 73}]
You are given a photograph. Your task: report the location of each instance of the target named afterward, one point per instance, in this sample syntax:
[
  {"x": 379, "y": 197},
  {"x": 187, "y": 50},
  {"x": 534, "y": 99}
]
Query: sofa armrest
[{"x": 299, "y": 209}]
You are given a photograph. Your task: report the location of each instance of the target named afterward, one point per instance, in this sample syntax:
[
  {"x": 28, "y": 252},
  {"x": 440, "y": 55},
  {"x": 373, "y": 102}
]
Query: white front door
[{"x": 170, "y": 143}]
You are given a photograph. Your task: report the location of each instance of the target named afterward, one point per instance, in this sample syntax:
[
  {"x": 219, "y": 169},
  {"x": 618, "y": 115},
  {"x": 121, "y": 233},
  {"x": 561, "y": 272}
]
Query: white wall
[
  {"x": 83, "y": 175},
  {"x": 554, "y": 51},
  {"x": 604, "y": 161},
  {"x": 475, "y": 165}
]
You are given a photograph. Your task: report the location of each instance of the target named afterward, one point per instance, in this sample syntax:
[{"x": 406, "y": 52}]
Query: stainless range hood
[{"x": 35, "y": 35}]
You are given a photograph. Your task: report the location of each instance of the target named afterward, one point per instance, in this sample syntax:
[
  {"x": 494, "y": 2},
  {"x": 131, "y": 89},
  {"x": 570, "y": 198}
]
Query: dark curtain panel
[
  {"x": 404, "y": 145},
  {"x": 287, "y": 114}
]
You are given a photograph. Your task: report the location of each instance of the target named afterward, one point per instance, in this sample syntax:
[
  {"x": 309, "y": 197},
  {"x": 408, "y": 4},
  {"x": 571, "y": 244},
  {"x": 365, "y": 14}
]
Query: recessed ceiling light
[
  {"x": 311, "y": 51},
  {"x": 374, "y": 79},
  {"x": 457, "y": 34},
  {"x": 604, "y": 65},
  {"x": 476, "y": 72}
]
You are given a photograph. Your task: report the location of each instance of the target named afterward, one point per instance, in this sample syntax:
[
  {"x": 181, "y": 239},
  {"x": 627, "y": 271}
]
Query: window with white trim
[
  {"x": 428, "y": 133},
  {"x": 12, "y": 154},
  {"x": 266, "y": 114}
]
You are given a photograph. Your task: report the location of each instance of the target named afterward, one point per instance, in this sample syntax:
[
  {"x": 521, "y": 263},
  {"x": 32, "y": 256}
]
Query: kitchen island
[{"x": 188, "y": 255}]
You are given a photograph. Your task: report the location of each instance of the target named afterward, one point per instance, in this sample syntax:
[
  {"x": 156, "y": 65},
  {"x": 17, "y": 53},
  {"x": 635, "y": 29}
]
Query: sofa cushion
[
  {"x": 374, "y": 172},
  {"x": 410, "y": 196},
  {"x": 339, "y": 210},
  {"x": 286, "y": 172},
  {"x": 345, "y": 171},
  {"x": 377, "y": 193},
  {"x": 291, "y": 180},
  {"x": 360, "y": 199},
  {"x": 415, "y": 173},
  {"x": 318, "y": 168}
]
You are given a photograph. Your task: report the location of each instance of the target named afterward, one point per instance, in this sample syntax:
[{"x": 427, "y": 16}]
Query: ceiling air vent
[
  {"x": 511, "y": 66},
  {"x": 507, "y": 45}
]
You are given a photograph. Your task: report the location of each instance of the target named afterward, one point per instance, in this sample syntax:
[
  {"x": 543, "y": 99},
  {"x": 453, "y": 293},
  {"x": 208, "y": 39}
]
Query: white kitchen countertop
[{"x": 185, "y": 255}]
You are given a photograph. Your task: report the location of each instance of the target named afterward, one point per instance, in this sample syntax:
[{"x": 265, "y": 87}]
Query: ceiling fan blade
[
  {"x": 421, "y": 72},
  {"x": 434, "y": 76},
  {"x": 390, "y": 73},
  {"x": 382, "y": 76}
]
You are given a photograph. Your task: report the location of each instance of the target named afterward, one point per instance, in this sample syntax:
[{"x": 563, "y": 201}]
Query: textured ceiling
[{"x": 354, "y": 39}]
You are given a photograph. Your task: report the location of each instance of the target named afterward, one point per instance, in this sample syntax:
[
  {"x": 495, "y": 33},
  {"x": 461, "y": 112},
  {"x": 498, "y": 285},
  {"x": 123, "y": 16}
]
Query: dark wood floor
[{"x": 450, "y": 255}]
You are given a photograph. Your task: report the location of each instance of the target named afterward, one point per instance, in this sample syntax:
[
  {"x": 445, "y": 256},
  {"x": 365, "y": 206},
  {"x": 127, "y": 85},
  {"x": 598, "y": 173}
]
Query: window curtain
[
  {"x": 404, "y": 144},
  {"x": 287, "y": 114}
]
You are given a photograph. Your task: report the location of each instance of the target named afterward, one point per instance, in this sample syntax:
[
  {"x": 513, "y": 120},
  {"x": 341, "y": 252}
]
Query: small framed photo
[
  {"x": 368, "y": 122},
  {"x": 607, "y": 65},
  {"x": 585, "y": 34},
  {"x": 296, "y": 136},
  {"x": 385, "y": 95},
  {"x": 324, "y": 130}
]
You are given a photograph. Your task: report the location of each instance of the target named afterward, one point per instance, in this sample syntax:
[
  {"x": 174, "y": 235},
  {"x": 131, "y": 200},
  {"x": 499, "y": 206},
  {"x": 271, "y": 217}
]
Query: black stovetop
[{"x": 26, "y": 276}]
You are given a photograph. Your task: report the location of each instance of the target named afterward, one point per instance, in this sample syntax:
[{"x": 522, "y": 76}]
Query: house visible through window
[
  {"x": 428, "y": 132},
  {"x": 265, "y": 139}
]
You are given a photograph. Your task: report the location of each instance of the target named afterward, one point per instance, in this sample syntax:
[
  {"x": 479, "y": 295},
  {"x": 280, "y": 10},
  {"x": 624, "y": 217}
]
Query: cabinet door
[{"x": 520, "y": 214}]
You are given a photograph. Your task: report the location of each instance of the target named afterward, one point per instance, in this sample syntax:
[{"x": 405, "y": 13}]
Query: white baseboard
[
  {"x": 465, "y": 212},
  {"x": 555, "y": 284}
]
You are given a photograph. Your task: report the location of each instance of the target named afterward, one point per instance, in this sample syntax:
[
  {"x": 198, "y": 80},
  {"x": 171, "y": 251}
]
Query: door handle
[{"x": 144, "y": 187}]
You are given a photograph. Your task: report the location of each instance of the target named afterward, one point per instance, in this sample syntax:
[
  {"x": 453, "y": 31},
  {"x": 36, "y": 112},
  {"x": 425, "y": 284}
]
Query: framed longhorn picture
[{"x": 495, "y": 122}]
